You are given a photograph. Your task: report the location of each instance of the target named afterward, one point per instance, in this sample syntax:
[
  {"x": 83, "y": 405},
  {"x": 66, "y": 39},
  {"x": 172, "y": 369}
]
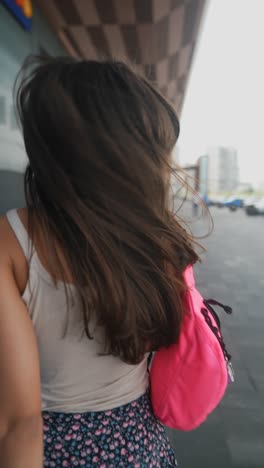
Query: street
[{"x": 232, "y": 272}]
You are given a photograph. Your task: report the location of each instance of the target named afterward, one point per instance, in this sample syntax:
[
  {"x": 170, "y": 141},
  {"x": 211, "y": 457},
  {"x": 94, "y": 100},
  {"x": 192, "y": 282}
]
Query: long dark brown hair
[{"x": 99, "y": 139}]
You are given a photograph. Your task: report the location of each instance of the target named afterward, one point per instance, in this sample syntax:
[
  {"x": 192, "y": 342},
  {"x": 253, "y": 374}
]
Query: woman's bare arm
[{"x": 20, "y": 397}]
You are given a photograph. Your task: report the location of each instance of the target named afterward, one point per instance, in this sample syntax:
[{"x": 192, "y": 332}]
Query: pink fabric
[{"x": 189, "y": 379}]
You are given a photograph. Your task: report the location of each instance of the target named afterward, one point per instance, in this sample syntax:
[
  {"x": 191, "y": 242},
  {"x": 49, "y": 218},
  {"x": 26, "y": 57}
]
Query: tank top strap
[{"x": 20, "y": 232}]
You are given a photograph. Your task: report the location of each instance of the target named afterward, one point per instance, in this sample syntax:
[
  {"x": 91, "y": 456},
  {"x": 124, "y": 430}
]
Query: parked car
[
  {"x": 249, "y": 200},
  {"x": 216, "y": 201},
  {"x": 255, "y": 208},
  {"x": 233, "y": 203}
]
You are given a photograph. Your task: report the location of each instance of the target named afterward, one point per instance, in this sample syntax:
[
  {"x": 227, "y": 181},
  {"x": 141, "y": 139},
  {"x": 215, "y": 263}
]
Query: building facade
[
  {"x": 218, "y": 171},
  {"x": 16, "y": 43},
  {"x": 191, "y": 177}
]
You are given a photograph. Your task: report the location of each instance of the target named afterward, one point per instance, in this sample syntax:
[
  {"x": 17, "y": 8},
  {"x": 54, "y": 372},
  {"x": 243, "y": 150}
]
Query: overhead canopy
[{"x": 158, "y": 35}]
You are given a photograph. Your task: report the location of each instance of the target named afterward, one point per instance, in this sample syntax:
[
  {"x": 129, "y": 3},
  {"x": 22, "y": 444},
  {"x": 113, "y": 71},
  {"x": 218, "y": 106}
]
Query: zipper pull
[
  {"x": 226, "y": 308},
  {"x": 231, "y": 372}
]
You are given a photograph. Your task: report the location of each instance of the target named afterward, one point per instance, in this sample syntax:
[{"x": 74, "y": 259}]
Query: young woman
[{"x": 91, "y": 270}]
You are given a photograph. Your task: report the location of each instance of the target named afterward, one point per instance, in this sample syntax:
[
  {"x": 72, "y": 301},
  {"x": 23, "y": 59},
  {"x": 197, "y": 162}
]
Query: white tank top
[{"x": 74, "y": 377}]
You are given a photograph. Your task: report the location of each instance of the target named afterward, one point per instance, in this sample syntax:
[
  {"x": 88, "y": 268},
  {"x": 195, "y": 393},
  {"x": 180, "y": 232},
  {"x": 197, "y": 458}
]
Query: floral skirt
[{"x": 128, "y": 436}]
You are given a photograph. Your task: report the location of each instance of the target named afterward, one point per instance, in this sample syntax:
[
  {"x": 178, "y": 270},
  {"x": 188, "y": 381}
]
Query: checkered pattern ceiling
[{"x": 158, "y": 35}]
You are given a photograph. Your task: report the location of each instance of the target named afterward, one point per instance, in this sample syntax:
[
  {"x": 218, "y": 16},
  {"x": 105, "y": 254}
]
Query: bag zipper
[{"x": 217, "y": 331}]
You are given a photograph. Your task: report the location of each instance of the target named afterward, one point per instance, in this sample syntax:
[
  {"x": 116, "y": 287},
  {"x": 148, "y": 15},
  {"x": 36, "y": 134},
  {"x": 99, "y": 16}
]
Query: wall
[
  {"x": 15, "y": 45},
  {"x": 191, "y": 175},
  {"x": 203, "y": 175},
  {"x": 223, "y": 175},
  {"x": 214, "y": 170}
]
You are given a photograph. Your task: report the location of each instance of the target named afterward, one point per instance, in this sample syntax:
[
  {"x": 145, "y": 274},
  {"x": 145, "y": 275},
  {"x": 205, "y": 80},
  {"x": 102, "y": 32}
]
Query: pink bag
[{"x": 188, "y": 379}]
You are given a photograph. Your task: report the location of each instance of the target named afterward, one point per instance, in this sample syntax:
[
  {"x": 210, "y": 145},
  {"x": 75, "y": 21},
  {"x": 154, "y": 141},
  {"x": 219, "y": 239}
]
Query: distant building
[
  {"x": 203, "y": 174},
  {"x": 191, "y": 176},
  {"x": 218, "y": 171},
  {"x": 184, "y": 186},
  {"x": 260, "y": 187},
  {"x": 245, "y": 187}
]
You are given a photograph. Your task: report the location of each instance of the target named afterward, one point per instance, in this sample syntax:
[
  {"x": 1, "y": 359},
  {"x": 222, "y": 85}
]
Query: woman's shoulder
[
  {"x": 7, "y": 235},
  {"x": 23, "y": 215},
  {"x": 11, "y": 253}
]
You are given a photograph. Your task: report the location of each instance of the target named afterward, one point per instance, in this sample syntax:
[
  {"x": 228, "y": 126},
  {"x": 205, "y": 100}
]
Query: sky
[{"x": 224, "y": 103}]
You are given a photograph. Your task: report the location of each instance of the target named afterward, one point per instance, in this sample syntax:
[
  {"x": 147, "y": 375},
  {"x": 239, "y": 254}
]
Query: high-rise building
[{"x": 218, "y": 170}]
